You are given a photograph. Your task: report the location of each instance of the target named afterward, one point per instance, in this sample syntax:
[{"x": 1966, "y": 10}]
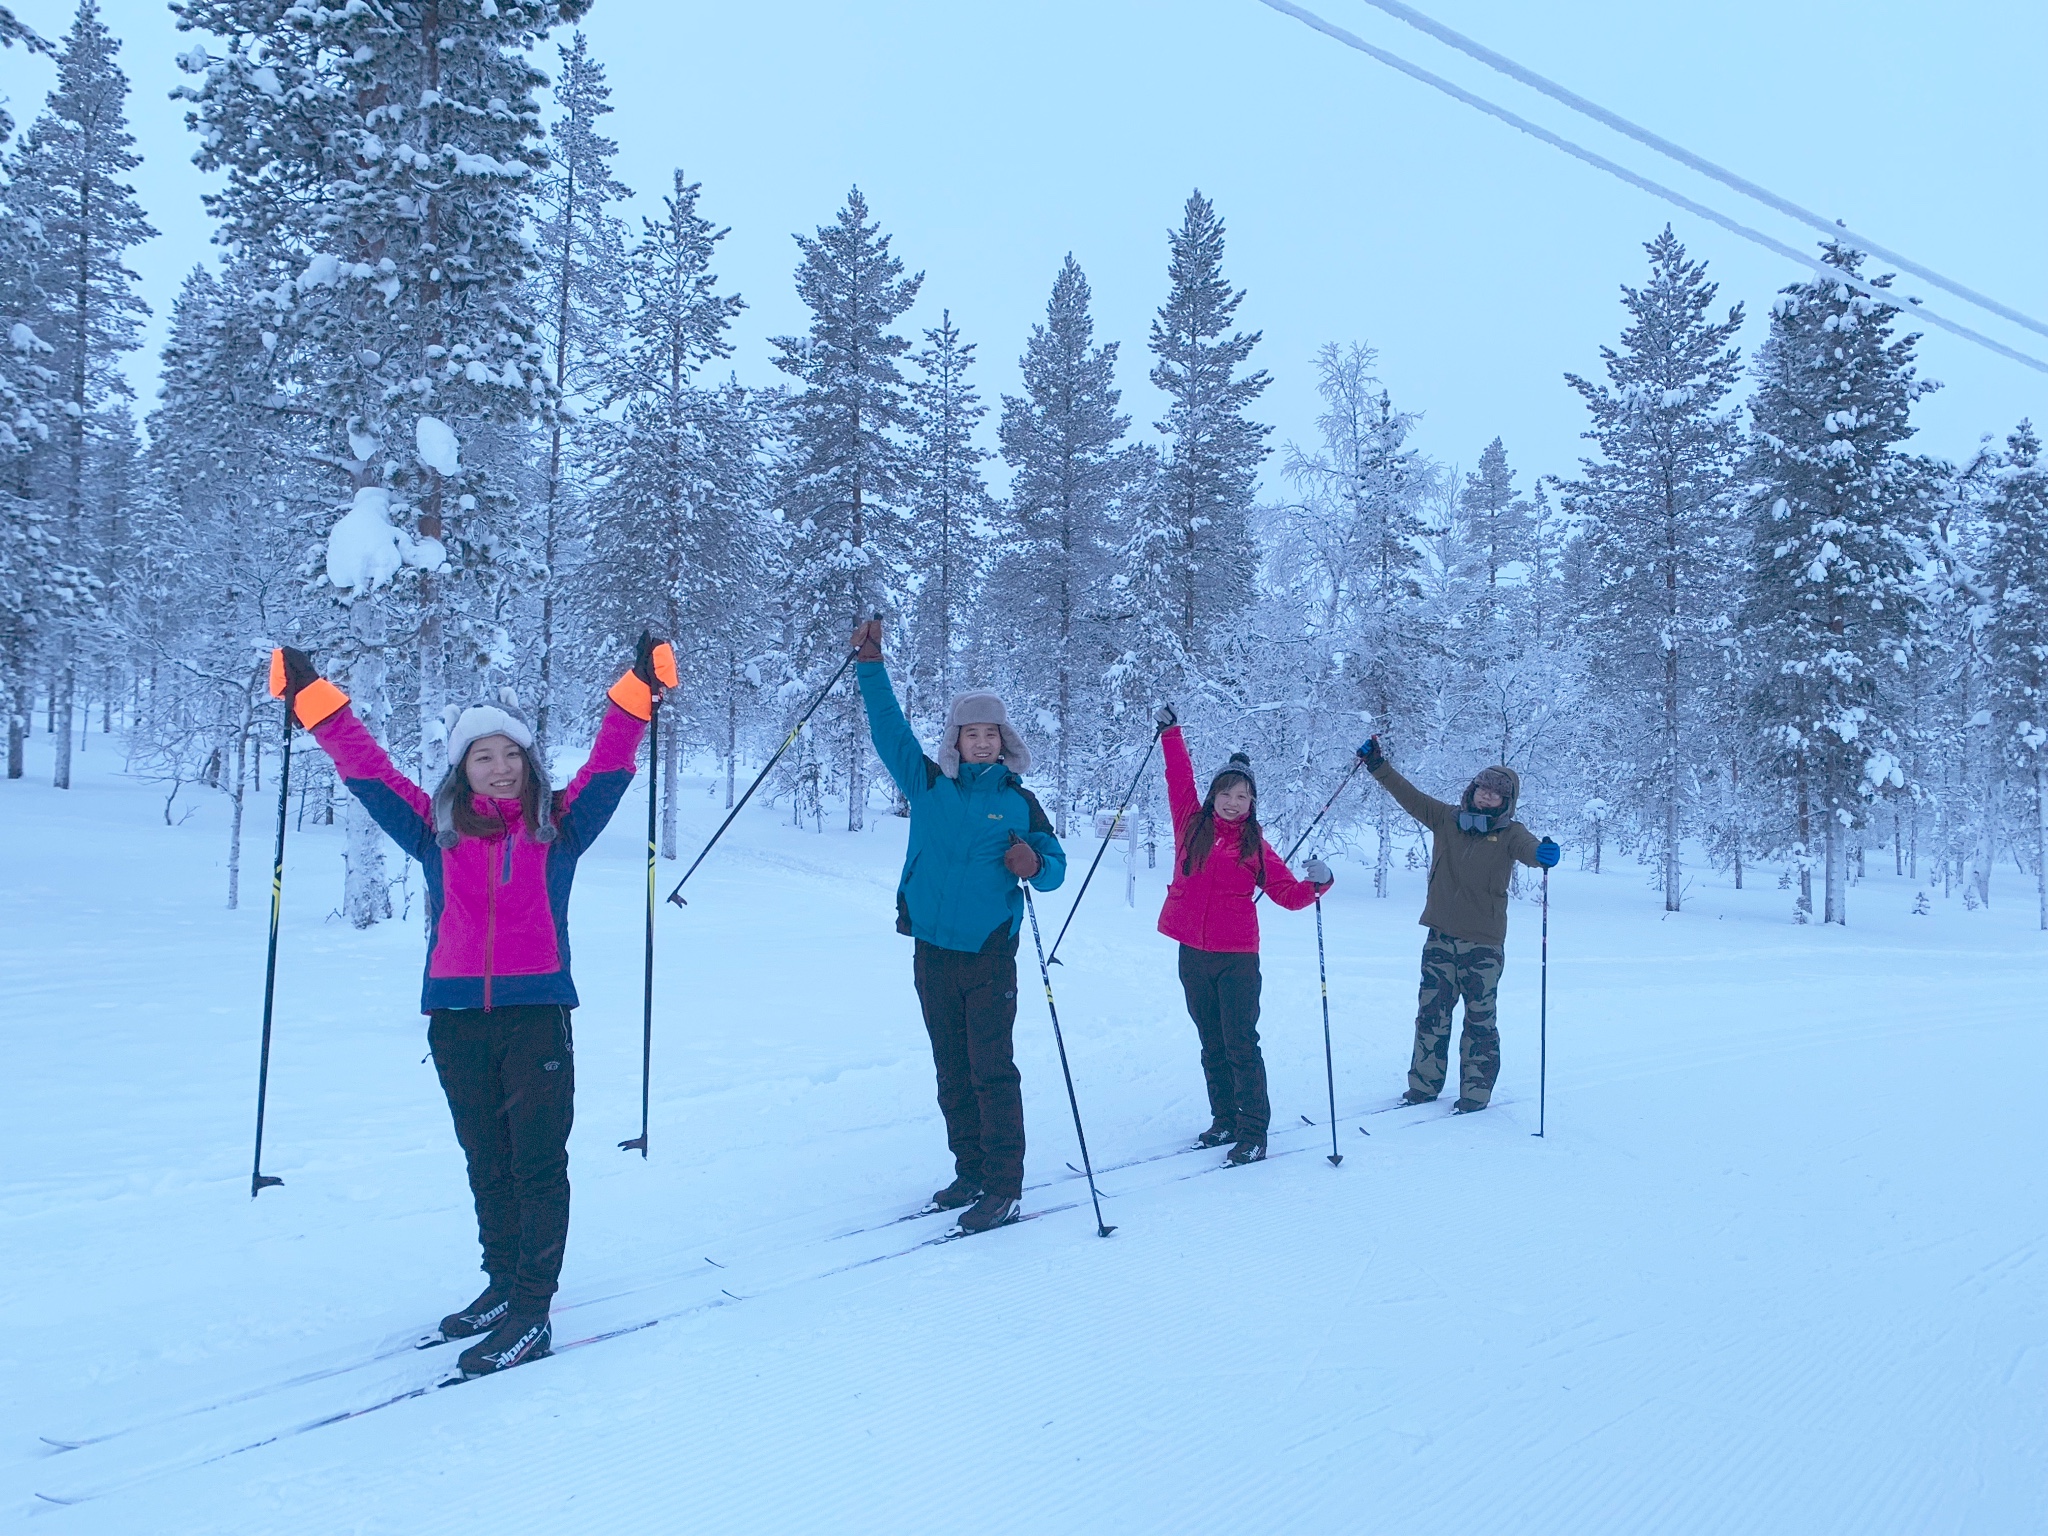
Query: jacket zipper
[{"x": 491, "y": 923}]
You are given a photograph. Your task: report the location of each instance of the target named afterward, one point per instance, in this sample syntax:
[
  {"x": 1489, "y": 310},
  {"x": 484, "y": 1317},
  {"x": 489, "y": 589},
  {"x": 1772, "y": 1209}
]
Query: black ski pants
[
  {"x": 510, "y": 1077},
  {"x": 1223, "y": 998},
  {"x": 970, "y": 1009}
]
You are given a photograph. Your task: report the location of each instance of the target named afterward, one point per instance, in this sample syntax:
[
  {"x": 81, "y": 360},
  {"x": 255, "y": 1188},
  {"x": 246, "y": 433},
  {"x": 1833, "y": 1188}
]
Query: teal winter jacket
[{"x": 955, "y": 891}]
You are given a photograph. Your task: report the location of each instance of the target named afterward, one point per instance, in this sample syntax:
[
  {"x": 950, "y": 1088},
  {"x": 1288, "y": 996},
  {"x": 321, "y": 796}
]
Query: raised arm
[
  {"x": 586, "y": 804},
  {"x": 394, "y": 802},
  {"x": 895, "y": 743},
  {"x": 1182, "y": 800},
  {"x": 1431, "y": 812}
]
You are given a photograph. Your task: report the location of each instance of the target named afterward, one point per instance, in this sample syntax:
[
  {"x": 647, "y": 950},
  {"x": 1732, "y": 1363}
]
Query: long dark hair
[
  {"x": 1202, "y": 834},
  {"x": 470, "y": 822}
]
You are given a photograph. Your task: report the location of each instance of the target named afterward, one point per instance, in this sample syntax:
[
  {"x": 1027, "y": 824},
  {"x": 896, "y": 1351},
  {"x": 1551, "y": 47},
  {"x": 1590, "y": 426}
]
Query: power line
[
  {"x": 1885, "y": 296},
  {"x": 1830, "y": 227}
]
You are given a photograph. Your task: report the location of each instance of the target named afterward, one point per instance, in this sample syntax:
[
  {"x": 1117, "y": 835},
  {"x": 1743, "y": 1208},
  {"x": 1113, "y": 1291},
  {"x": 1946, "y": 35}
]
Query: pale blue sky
[{"x": 992, "y": 139}]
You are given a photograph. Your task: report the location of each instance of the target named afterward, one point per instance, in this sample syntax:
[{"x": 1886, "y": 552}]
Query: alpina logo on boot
[{"x": 549, "y": 1066}]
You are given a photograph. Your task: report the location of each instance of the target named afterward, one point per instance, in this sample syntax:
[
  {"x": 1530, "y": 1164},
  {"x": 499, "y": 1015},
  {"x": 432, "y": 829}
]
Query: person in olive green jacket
[{"x": 1473, "y": 846}]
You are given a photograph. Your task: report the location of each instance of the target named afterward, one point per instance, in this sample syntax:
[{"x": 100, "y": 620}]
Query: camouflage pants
[{"x": 1454, "y": 968}]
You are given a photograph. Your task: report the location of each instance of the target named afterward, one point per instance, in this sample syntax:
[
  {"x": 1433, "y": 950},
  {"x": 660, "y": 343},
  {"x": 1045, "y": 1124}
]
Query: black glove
[
  {"x": 299, "y": 671},
  {"x": 1375, "y": 759},
  {"x": 1165, "y": 718}
]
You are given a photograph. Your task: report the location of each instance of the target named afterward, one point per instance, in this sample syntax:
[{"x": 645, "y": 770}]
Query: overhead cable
[
  {"x": 1904, "y": 302},
  {"x": 1832, "y": 228}
]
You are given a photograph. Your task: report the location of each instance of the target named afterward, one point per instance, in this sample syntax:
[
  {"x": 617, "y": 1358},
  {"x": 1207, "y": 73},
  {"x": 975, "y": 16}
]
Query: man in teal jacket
[{"x": 975, "y": 832}]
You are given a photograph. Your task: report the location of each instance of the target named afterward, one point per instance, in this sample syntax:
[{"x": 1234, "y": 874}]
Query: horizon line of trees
[{"x": 442, "y": 414}]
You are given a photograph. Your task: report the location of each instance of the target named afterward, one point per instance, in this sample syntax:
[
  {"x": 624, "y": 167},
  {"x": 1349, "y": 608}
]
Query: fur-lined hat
[
  {"x": 466, "y": 727},
  {"x": 981, "y": 709}
]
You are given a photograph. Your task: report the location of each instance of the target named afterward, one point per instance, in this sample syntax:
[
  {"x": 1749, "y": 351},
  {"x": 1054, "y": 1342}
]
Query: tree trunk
[
  {"x": 365, "y": 898},
  {"x": 1805, "y": 851},
  {"x": 61, "y": 687},
  {"x": 240, "y": 801},
  {"x": 434, "y": 689},
  {"x": 671, "y": 754},
  {"x": 2041, "y": 833},
  {"x": 732, "y": 722},
  {"x": 1835, "y": 911}
]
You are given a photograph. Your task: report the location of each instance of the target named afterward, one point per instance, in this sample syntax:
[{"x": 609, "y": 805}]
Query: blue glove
[
  {"x": 1374, "y": 757},
  {"x": 1548, "y": 853}
]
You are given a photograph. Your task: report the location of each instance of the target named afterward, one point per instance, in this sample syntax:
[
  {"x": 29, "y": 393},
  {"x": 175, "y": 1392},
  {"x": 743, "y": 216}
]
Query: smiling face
[
  {"x": 1233, "y": 799},
  {"x": 496, "y": 767},
  {"x": 980, "y": 743}
]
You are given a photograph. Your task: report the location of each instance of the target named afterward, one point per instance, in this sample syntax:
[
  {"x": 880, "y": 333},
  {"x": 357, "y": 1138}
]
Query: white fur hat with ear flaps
[
  {"x": 466, "y": 727},
  {"x": 981, "y": 709}
]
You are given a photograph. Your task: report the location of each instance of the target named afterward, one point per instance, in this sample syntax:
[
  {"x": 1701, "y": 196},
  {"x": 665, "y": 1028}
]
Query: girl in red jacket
[{"x": 1221, "y": 860}]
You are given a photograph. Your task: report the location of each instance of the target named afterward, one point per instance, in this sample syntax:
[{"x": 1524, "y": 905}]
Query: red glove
[{"x": 867, "y": 641}]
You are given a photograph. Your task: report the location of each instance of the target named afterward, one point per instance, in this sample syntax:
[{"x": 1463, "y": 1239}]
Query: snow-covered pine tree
[
  {"x": 2016, "y": 633},
  {"x": 1194, "y": 561},
  {"x": 1348, "y": 548},
  {"x": 1657, "y": 510},
  {"x": 380, "y": 159},
  {"x": 947, "y": 503},
  {"x": 1499, "y": 517},
  {"x": 580, "y": 241},
  {"x": 1829, "y": 604},
  {"x": 676, "y": 536},
  {"x": 68, "y": 177},
  {"x": 1063, "y": 438},
  {"x": 28, "y": 544},
  {"x": 844, "y": 482}
]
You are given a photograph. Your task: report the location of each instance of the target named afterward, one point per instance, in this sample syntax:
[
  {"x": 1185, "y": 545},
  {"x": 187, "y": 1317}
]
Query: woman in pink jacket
[
  {"x": 499, "y": 849},
  {"x": 1221, "y": 860}
]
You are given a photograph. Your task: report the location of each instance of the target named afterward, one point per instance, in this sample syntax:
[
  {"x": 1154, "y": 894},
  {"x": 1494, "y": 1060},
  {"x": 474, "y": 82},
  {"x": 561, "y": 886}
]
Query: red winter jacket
[
  {"x": 1212, "y": 908},
  {"x": 497, "y": 907}
]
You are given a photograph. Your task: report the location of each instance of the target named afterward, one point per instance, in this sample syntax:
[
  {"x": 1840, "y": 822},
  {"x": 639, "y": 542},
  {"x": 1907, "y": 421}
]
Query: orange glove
[
  {"x": 652, "y": 674},
  {"x": 307, "y": 694}
]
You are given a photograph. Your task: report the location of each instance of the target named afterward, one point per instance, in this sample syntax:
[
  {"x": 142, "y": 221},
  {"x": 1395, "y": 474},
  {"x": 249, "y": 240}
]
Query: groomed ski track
[{"x": 1777, "y": 1268}]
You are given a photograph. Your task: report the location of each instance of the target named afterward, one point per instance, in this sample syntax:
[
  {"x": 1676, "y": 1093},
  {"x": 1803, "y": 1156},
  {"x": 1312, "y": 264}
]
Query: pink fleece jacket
[
  {"x": 497, "y": 907},
  {"x": 1212, "y": 907}
]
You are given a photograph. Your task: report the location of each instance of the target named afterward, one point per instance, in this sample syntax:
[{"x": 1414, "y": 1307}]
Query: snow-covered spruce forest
[{"x": 438, "y": 411}]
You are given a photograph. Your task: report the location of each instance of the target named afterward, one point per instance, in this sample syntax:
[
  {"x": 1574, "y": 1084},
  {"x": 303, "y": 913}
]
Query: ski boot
[
  {"x": 962, "y": 1191},
  {"x": 1221, "y": 1133},
  {"x": 991, "y": 1211},
  {"x": 1417, "y": 1096},
  {"x": 480, "y": 1316},
  {"x": 1249, "y": 1149},
  {"x": 514, "y": 1341},
  {"x": 1467, "y": 1107}
]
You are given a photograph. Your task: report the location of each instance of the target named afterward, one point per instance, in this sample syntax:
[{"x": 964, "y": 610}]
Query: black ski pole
[
  {"x": 647, "y": 984},
  {"x": 1129, "y": 794},
  {"x": 676, "y": 895},
  {"x": 1102, "y": 1229},
  {"x": 258, "y": 1179},
  {"x": 1543, "y": 1016},
  {"x": 1329, "y": 1061},
  {"x": 1357, "y": 762}
]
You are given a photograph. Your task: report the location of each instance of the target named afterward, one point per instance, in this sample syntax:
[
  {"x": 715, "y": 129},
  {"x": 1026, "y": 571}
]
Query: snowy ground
[{"x": 1778, "y": 1267}]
